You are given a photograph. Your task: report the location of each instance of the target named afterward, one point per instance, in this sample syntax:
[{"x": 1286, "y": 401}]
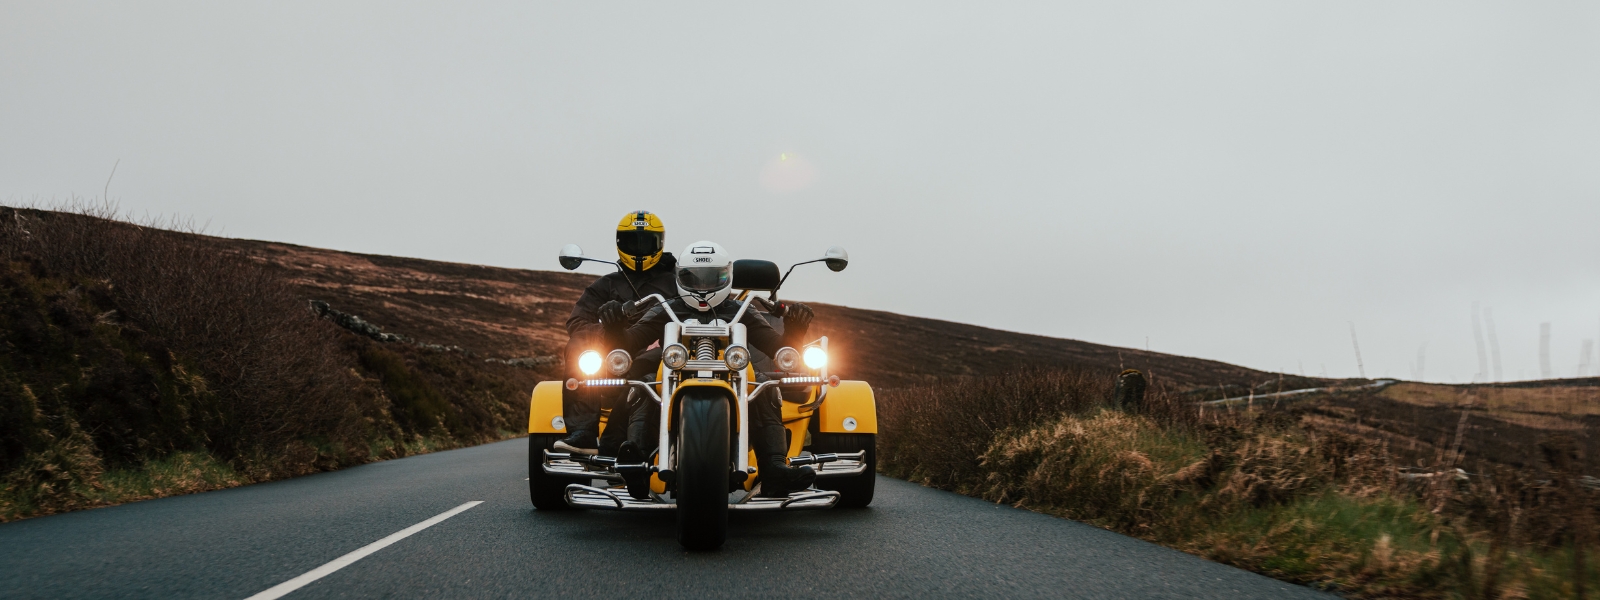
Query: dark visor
[
  {"x": 703, "y": 279},
  {"x": 639, "y": 243}
]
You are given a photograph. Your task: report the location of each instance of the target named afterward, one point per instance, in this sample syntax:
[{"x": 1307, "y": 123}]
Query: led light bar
[{"x": 831, "y": 381}]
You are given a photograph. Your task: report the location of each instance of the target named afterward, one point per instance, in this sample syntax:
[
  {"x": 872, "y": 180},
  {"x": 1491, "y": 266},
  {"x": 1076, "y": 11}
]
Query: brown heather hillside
[
  {"x": 513, "y": 313},
  {"x": 1501, "y": 423}
]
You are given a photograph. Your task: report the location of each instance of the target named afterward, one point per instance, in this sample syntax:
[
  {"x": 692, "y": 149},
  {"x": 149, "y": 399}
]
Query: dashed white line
[{"x": 278, "y": 591}]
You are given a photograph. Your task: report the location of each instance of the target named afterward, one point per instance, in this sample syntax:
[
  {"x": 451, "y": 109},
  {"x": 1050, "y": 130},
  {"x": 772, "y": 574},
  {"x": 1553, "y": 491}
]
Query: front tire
[
  {"x": 547, "y": 492},
  {"x": 855, "y": 491},
  {"x": 702, "y": 471}
]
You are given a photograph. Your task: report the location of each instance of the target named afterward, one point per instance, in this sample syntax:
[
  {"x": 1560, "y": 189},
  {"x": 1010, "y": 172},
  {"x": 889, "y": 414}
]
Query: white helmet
[{"x": 705, "y": 275}]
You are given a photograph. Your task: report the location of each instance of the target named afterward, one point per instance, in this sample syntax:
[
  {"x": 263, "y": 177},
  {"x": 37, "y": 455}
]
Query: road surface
[{"x": 912, "y": 542}]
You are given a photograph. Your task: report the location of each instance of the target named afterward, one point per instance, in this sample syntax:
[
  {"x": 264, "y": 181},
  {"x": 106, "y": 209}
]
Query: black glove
[
  {"x": 796, "y": 319},
  {"x": 612, "y": 317}
]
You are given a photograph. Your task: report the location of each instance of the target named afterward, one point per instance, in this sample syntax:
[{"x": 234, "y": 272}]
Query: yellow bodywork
[
  {"x": 852, "y": 399},
  {"x": 545, "y": 408}
]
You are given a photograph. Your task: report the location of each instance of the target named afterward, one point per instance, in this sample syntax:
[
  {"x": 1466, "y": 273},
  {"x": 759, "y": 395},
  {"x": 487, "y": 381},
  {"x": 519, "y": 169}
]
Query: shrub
[
  {"x": 1255, "y": 489},
  {"x": 274, "y": 370}
]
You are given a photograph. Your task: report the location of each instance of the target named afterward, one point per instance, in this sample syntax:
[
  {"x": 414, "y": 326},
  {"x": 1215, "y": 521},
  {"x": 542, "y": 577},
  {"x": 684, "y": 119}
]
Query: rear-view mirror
[
  {"x": 755, "y": 275},
  {"x": 572, "y": 257},
  {"x": 836, "y": 258}
]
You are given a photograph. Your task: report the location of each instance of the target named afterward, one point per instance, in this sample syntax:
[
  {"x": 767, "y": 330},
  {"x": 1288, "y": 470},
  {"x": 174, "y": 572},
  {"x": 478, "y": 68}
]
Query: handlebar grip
[{"x": 637, "y": 307}]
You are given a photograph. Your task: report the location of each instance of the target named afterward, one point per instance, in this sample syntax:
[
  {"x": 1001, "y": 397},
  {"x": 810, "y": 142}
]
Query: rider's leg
[
  {"x": 644, "y": 412},
  {"x": 640, "y": 426},
  {"x": 616, "y": 430},
  {"x": 580, "y": 408},
  {"x": 772, "y": 450}
]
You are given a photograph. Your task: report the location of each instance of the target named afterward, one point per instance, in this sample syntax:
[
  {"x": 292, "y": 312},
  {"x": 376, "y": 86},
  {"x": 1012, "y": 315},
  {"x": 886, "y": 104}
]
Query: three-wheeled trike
[{"x": 703, "y": 465}]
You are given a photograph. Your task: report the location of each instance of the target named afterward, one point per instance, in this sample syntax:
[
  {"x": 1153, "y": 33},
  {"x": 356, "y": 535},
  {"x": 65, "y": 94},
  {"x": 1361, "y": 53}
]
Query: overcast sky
[{"x": 1235, "y": 181}]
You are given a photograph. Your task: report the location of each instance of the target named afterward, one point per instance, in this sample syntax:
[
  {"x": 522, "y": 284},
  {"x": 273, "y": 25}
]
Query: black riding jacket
[
  {"x": 758, "y": 331},
  {"x": 621, "y": 286}
]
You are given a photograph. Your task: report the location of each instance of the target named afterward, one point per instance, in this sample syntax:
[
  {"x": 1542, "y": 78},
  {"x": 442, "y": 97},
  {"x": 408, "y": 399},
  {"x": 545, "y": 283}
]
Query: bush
[
  {"x": 1255, "y": 489},
  {"x": 122, "y": 344},
  {"x": 273, "y": 370}
]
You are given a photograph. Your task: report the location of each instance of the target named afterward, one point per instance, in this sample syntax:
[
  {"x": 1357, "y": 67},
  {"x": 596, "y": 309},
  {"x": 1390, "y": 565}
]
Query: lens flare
[
  {"x": 589, "y": 362},
  {"x": 816, "y": 358}
]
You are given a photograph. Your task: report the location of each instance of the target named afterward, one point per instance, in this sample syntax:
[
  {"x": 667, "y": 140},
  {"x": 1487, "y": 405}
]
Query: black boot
[
  {"x": 579, "y": 442},
  {"x": 778, "y": 479},
  {"x": 581, "y": 412},
  {"x": 635, "y": 470}
]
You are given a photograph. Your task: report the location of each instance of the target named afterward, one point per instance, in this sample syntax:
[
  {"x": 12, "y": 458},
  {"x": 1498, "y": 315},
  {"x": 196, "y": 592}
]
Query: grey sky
[{"x": 1237, "y": 181}]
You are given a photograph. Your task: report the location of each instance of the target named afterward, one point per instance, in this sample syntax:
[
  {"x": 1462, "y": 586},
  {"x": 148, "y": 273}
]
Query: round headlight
[
  {"x": 675, "y": 356},
  {"x": 589, "y": 362},
  {"x": 619, "y": 361},
  {"x": 737, "y": 357},
  {"x": 816, "y": 358},
  {"x": 787, "y": 359}
]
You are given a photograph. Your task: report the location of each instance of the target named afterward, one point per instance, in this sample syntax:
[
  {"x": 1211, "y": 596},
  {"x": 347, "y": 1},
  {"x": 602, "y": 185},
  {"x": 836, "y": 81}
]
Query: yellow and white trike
[{"x": 703, "y": 466}]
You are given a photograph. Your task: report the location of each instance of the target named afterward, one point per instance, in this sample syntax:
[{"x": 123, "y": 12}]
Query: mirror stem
[{"x": 791, "y": 270}]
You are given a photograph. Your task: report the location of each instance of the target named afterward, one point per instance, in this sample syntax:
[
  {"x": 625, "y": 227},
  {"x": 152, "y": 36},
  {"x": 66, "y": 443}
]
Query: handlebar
[
  {"x": 637, "y": 307},
  {"x": 633, "y": 309}
]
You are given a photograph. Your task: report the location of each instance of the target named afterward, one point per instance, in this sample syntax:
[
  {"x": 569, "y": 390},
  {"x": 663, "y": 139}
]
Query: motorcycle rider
[
  {"x": 704, "y": 286},
  {"x": 599, "y": 314}
]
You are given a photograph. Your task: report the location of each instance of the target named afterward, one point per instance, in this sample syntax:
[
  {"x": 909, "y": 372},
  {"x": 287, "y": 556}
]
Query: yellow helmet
[{"x": 640, "y": 240}]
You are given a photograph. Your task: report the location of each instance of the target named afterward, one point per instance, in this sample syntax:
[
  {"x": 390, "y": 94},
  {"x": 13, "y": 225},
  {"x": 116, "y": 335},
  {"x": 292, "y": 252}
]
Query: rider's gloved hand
[
  {"x": 612, "y": 317},
  {"x": 796, "y": 319}
]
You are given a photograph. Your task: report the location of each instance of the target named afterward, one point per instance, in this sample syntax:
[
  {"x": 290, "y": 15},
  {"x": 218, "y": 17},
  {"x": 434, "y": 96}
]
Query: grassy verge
[
  {"x": 176, "y": 474},
  {"x": 1255, "y": 490}
]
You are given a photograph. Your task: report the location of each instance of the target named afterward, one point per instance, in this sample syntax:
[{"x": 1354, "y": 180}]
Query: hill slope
[{"x": 514, "y": 313}]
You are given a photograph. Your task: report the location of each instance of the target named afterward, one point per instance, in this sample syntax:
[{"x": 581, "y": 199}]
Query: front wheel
[
  {"x": 547, "y": 492},
  {"x": 854, "y": 491},
  {"x": 702, "y": 471}
]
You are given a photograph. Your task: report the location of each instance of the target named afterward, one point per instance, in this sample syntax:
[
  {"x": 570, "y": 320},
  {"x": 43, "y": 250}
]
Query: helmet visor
[
  {"x": 704, "y": 279},
  {"x": 639, "y": 243}
]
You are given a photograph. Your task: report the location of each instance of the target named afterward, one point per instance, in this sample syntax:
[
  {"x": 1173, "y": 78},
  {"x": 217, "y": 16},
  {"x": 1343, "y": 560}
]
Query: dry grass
[
  {"x": 1255, "y": 489},
  {"x": 274, "y": 371},
  {"x": 140, "y": 360},
  {"x": 1572, "y": 399}
]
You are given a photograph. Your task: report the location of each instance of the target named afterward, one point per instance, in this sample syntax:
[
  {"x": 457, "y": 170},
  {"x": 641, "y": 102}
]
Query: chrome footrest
[
  {"x": 846, "y": 464},
  {"x": 807, "y": 500},
  {"x": 560, "y": 464},
  {"x": 583, "y": 496}
]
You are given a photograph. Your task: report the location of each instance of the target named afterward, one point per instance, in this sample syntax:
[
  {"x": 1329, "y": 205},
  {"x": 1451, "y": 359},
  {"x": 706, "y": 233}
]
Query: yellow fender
[
  {"x": 544, "y": 410},
  {"x": 851, "y": 400}
]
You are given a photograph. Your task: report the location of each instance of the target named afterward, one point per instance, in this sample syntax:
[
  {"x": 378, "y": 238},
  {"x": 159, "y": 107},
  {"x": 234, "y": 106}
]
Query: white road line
[{"x": 278, "y": 591}]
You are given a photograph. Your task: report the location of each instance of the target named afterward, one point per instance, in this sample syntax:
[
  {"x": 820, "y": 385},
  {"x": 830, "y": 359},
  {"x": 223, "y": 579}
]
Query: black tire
[
  {"x": 855, "y": 491},
  {"x": 702, "y": 470},
  {"x": 547, "y": 492}
]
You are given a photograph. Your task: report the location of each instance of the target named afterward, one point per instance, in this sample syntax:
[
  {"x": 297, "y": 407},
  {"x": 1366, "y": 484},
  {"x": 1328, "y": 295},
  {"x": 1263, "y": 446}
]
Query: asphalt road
[{"x": 912, "y": 542}]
